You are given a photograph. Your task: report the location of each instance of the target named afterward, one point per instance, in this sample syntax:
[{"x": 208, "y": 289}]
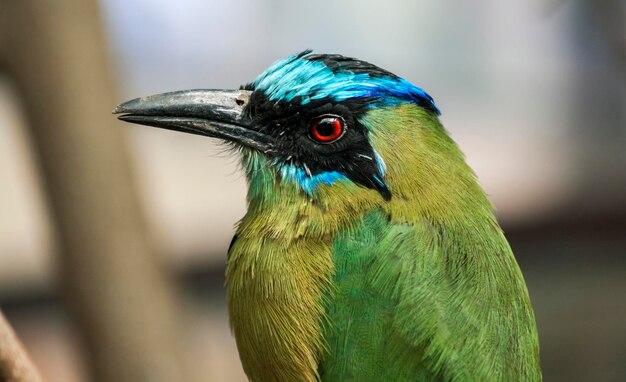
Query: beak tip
[
  {"x": 119, "y": 109},
  {"x": 132, "y": 106}
]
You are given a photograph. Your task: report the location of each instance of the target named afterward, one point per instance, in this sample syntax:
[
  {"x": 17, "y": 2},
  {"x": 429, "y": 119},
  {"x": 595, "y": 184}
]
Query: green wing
[{"x": 417, "y": 302}]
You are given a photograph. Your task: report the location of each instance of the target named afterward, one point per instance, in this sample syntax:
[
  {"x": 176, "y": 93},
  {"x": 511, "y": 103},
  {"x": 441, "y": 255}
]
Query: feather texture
[{"x": 342, "y": 285}]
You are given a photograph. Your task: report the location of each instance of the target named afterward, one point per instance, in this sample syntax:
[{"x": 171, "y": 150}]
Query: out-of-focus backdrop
[{"x": 109, "y": 228}]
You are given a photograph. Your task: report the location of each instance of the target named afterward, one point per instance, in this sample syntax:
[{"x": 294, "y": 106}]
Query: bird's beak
[{"x": 211, "y": 113}]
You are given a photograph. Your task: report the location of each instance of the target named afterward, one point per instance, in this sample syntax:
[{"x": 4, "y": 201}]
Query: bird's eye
[{"x": 326, "y": 128}]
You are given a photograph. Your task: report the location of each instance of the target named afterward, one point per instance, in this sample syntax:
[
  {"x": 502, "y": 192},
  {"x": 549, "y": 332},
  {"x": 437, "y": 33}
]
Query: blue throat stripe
[{"x": 308, "y": 183}]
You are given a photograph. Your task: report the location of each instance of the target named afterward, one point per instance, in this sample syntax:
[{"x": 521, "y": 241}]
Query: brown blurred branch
[
  {"x": 15, "y": 364},
  {"x": 111, "y": 279}
]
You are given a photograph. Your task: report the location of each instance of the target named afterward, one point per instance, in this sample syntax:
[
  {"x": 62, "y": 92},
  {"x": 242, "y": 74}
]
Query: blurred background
[{"x": 113, "y": 237}]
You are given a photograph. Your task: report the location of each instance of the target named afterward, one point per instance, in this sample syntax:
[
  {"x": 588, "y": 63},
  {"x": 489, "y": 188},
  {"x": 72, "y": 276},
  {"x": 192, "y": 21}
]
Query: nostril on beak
[{"x": 239, "y": 101}]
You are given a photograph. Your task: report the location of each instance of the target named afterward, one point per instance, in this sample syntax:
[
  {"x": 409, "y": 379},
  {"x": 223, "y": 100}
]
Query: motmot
[{"x": 368, "y": 252}]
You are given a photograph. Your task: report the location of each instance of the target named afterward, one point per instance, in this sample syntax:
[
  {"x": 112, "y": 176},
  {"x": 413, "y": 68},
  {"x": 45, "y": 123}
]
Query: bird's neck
[
  {"x": 426, "y": 172},
  {"x": 281, "y": 265}
]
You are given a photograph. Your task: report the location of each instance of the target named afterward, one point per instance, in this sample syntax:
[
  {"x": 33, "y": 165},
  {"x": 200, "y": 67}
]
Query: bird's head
[{"x": 310, "y": 125}]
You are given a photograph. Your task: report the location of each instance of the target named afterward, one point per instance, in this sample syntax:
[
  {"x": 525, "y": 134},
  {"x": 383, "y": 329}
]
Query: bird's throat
[{"x": 275, "y": 292}]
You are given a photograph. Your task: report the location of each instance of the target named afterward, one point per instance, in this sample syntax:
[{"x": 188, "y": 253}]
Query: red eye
[{"x": 327, "y": 128}]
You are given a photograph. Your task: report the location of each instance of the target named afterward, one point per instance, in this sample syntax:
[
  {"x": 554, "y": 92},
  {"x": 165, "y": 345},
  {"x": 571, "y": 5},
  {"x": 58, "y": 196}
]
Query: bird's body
[{"x": 368, "y": 252}]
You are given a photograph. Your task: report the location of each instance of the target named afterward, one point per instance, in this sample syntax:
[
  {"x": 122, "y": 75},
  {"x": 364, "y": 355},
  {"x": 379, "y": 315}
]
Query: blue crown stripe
[{"x": 297, "y": 76}]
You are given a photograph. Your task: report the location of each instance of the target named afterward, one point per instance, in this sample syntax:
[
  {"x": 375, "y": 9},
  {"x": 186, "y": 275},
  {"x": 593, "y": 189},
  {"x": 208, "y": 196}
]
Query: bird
[{"x": 369, "y": 251}]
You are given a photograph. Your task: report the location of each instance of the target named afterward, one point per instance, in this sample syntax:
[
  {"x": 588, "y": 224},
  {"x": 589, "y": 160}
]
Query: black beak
[{"x": 211, "y": 113}]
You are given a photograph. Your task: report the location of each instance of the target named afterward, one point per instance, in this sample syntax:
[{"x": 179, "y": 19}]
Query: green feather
[
  {"x": 346, "y": 286},
  {"x": 420, "y": 302}
]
